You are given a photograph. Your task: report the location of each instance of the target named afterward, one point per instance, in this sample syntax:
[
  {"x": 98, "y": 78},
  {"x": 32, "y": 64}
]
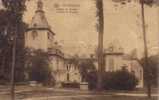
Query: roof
[
  {"x": 39, "y": 20},
  {"x": 114, "y": 48}
]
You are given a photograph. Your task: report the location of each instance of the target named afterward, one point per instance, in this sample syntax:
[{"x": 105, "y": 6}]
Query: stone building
[
  {"x": 115, "y": 59},
  {"x": 73, "y": 73},
  {"x": 58, "y": 65},
  {"x": 40, "y": 36}
]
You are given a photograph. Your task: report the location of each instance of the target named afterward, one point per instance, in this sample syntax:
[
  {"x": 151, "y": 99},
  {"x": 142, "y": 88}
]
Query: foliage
[
  {"x": 15, "y": 10},
  {"x": 153, "y": 69},
  {"x": 92, "y": 80},
  {"x": 88, "y": 72},
  {"x": 119, "y": 80},
  {"x": 38, "y": 67},
  {"x": 71, "y": 85},
  {"x": 74, "y": 60},
  {"x": 11, "y": 23},
  {"x": 85, "y": 67},
  {"x": 147, "y": 2},
  {"x": 148, "y": 75}
]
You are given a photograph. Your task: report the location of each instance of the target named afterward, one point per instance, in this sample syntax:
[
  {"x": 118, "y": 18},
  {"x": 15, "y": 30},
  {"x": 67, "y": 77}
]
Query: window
[
  {"x": 133, "y": 72},
  {"x": 111, "y": 49},
  {"x": 43, "y": 17},
  {"x": 140, "y": 74},
  {"x": 50, "y": 36},
  {"x": 57, "y": 62},
  {"x": 111, "y": 64},
  {"x": 34, "y": 24},
  {"x": 124, "y": 67},
  {"x": 34, "y": 34}
]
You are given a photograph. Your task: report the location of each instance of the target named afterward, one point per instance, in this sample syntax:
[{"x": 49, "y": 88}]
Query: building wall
[
  {"x": 36, "y": 39},
  {"x": 113, "y": 62},
  {"x": 138, "y": 71},
  {"x": 59, "y": 70},
  {"x": 41, "y": 40},
  {"x": 74, "y": 74}
]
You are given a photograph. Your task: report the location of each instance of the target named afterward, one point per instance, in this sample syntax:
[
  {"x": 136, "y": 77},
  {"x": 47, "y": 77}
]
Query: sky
[{"x": 77, "y": 34}]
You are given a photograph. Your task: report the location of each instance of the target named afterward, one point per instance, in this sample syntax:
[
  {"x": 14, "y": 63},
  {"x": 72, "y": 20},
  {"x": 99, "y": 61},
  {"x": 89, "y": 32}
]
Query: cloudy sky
[{"x": 76, "y": 32}]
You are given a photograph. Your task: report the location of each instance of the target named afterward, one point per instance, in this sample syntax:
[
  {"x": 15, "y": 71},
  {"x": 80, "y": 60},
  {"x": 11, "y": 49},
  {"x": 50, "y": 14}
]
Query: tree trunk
[
  {"x": 13, "y": 65},
  {"x": 100, "y": 15},
  {"x": 148, "y": 84},
  {"x": 3, "y": 65}
]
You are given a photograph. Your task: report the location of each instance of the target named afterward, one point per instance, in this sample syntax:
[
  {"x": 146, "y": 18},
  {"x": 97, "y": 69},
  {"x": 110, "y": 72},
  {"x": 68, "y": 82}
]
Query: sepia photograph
[{"x": 79, "y": 49}]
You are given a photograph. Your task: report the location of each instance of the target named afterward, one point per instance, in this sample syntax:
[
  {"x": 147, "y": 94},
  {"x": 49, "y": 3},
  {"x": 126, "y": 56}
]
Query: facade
[
  {"x": 40, "y": 36},
  {"x": 73, "y": 73},
  {"x": 57, "y": 64},
  {"x": 113, "y": 59}
]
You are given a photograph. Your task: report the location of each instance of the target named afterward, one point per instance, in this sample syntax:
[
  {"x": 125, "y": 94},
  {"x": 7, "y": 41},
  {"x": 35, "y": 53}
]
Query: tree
[
  {"x": 4, "y": 45},
  {"x": 14, "y": 11},
  {"x": 85, "y": 67},
  {"x": 146, "y": 62},
  {"x": 75, "y": 60},
  {"x": 100, "y": 29},
  {"x": 153, "y": 66},
  {"x": 88, "y": 72},
  {"x": 92, "y": 80},
  {"x": 143, "y": 3}
]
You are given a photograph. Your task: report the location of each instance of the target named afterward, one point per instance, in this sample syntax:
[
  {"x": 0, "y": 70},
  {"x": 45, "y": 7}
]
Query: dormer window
[
  {"x": 111, "y": 49},
  {"x": 34, "y": 34},
  {"x": 50, "y": 36},
  {"x": 42, "y": 17},
  {"x": 125, "y": 67},
  {"x": 111, "y": 64},
  {"x": 34, "y": 24}
]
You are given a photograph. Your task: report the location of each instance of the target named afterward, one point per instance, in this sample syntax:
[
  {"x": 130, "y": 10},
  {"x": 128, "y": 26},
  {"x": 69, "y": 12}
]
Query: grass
[
  {"x": 73, "y": 95},
  {"x": 109, "y": 98}
]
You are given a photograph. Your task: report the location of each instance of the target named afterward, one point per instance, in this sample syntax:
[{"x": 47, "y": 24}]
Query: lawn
[
  {"x": 64, "y": 94},
  {"x": 106, "y": 98},
  {"x": 75, "y": 97}
]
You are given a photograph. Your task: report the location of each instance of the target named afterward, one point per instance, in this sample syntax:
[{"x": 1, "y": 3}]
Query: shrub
[
  {"x": 71, "y": 85},
  {"x": 107, "y": 80},
  {"x": 92, "y": 80},
  {"x": 120, "y": 80}
]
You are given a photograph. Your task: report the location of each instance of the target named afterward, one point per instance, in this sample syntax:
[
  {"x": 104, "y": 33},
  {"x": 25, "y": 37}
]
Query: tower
[{"x": 39, "y": 34}]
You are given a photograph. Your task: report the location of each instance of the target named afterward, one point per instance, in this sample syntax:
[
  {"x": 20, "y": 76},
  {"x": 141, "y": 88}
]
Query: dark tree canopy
[
  {"x": 153, "y": 69},
  {"x": 11, "y": 23},
  {"x": 15, "y": 9},
  {"x": 85, "y": 68},
  {"x": 147, "y": 2}
]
